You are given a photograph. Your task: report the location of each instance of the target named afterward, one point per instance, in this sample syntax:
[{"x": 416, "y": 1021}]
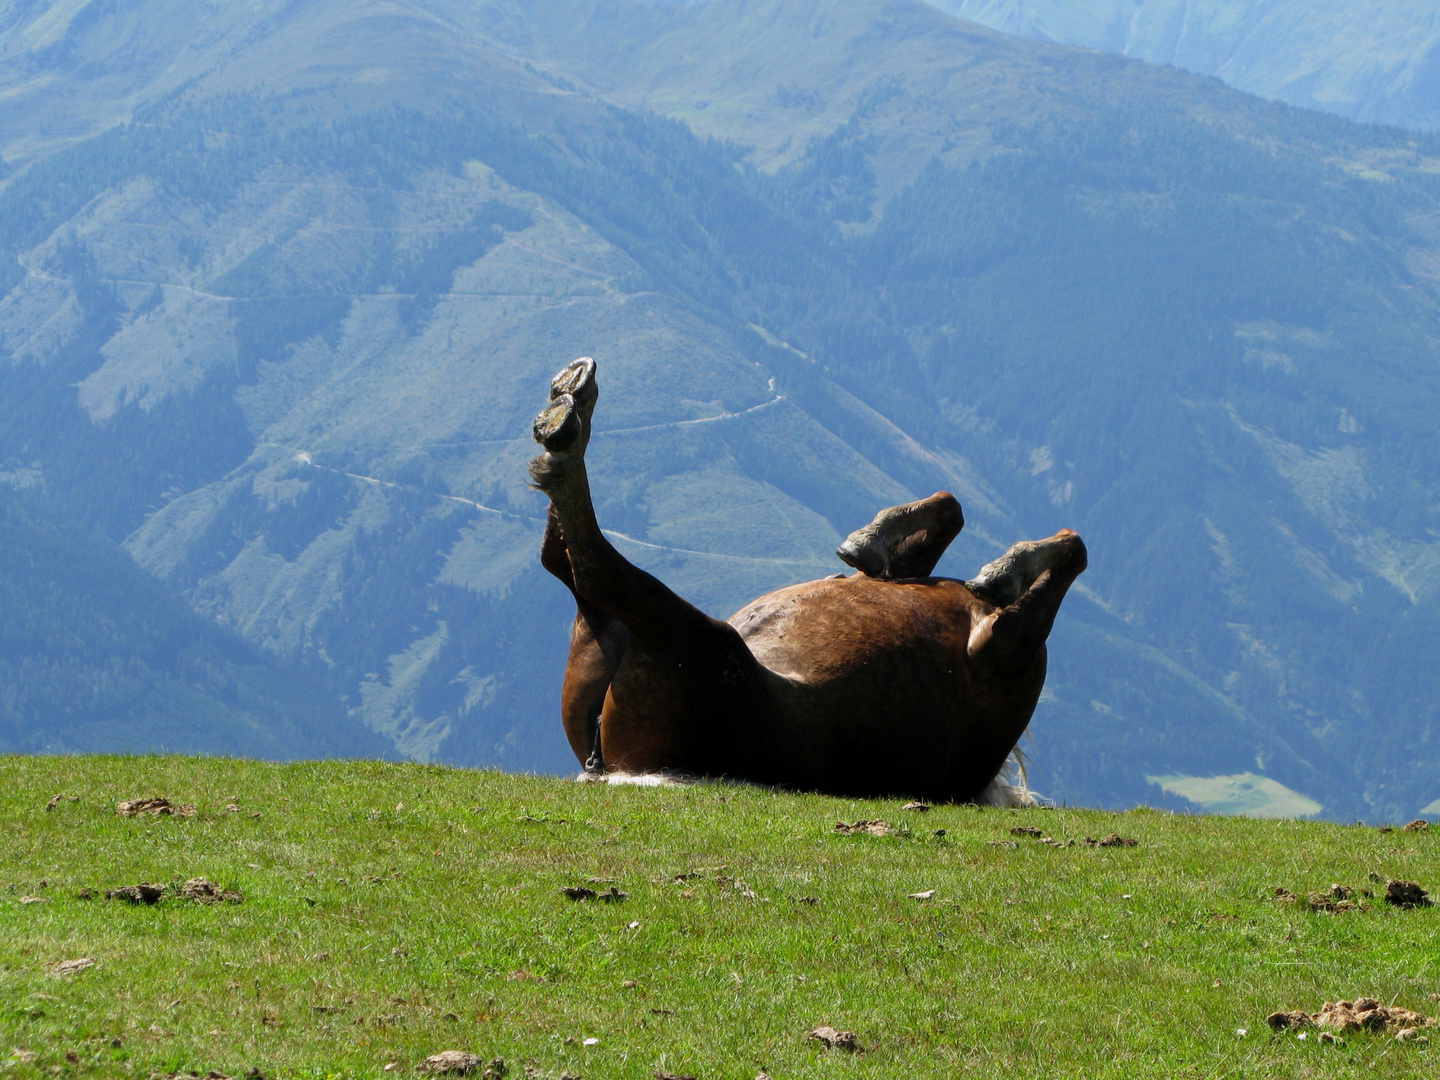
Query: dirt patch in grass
[
  {"x": 834, "y": 1038},
  {"x": 144, "y": 893},
  {"x": 1110, "y": 840},
  {"x": 197, "y": 889},
  {"x": 1336, "y": 899},
  {"x": 460, "y": 1063},
  {"x": 875, "y": 827},
  {"x": 1362, "y": 1014},
  {"x": 1406, "y": 894},
  {"x": 1341, "y": 898},
  {"x": 207, "y": 892},
  {"x": 611, "y": 895},
  {"x": 154, "y": 806},
  {"x": 71, "y": 967},
  {"x": 1030, "y": 831}
]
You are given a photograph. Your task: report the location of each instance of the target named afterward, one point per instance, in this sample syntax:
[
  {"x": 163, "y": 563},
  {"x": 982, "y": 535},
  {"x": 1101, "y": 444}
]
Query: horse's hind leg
[
  {"x": 599, "y": 574},
  {"x": 598, "y": 644},
  {"x": 905, "y": 541},
  {"x": 598, "y": 641},
  {"x": 680, "y": 668}
]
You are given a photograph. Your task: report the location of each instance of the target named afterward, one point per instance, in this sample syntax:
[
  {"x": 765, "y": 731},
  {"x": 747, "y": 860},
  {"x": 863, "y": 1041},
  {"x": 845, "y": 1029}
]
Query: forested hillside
[
  {"x": 96, "y": 654},
  {"x": 280, "y": 334}
]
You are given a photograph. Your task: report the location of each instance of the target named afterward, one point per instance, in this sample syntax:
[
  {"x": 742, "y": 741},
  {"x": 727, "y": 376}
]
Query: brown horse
[{"x": 889, "y": 681}]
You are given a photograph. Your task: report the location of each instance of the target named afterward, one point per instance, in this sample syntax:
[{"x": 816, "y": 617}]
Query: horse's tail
[
  {"x": 649, "y": 779},
  {"x": 1011, "y": 786}
]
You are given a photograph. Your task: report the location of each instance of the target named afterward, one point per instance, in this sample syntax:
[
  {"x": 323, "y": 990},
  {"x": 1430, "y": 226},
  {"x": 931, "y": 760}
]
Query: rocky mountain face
[
  {"x": 278, "y": 301},
  {"x": 1375, "y": 61}
]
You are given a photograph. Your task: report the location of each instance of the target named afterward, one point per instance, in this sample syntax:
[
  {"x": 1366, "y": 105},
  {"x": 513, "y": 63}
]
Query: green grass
[{"x": 388, "y": 909}]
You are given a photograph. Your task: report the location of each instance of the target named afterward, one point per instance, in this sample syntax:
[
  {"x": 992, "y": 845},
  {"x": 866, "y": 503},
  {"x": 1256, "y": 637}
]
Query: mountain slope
[
  {"x": 1371, "y": 62},
  {"x": 95, "y": 653},
  {"x": 284, "y": 342}
]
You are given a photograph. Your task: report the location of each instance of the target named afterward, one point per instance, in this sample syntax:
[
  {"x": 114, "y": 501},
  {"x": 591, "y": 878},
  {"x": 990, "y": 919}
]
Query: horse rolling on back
[{"x": 885, "y": 682}]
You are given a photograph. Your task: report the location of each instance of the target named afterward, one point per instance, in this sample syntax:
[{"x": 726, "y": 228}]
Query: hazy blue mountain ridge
[
  {"x": 285, "y": 344},
  {"x": 1373, "y": 62}
]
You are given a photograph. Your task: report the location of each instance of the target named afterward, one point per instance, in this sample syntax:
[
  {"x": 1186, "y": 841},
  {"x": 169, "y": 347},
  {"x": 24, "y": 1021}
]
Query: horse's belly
[
  {"x": 840, "y": 629},
  {"x": 874, "y": 686}
]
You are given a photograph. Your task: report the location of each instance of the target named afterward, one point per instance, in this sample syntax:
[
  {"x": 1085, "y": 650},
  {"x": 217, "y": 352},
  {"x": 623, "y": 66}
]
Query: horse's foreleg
[
  {"x": 905, "y": 541},
  {"x": 553, "y": 554},
  {"x": 598, "y": 645}
]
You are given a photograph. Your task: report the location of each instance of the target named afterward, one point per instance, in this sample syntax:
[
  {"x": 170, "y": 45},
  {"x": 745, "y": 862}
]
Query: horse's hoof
[
  {"x": 859, "y": 551},
  {"x": 577, "y": 379},
  {"x": 559, "y": 426}
]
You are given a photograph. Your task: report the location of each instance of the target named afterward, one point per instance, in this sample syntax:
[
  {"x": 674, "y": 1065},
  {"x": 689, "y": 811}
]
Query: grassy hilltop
[{"x": 393, "y": 911}]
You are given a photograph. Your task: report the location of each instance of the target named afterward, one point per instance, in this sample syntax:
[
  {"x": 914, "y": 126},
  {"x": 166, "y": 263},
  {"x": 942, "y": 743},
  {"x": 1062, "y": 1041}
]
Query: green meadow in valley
[{"x": 393, "y": 911}]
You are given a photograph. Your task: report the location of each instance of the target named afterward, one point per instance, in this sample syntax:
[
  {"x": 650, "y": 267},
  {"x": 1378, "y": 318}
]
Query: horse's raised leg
[
  {"x": 905, "y": 541},
  {"x": 678, "y": 683},
  {"x": 1026, "y": 585},
  {"x": 597, "y": 641},
  {"x": 599, "y": 574}
]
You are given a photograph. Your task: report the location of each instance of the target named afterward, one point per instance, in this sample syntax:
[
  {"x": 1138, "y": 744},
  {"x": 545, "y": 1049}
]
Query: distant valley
[{"x": 278, "y": 303}]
